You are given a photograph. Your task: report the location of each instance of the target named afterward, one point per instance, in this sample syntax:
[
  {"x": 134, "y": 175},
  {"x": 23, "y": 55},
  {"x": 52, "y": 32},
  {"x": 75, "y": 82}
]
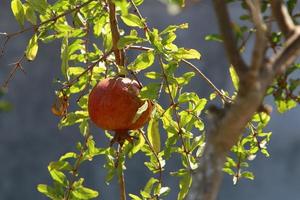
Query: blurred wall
[{"x": 29, "y": 138}]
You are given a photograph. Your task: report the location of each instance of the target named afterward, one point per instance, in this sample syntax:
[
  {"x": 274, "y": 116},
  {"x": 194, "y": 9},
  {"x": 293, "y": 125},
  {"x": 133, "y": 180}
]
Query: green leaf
[
  {"x": 285, "y": 105},
  {"x": 150, "y": 91},
  {"x": 64, "y": 55},
  {"x": 234, "y": 77},
  {"x": 187, "y": 54},
  {"x": 142, "y": 61},
  {"x": 60, "y": 165},
  {"x": 248, "y": 175},
  {"x": 137, "y": 146},
  {"x": 213, "y": 37},
  {"x": 48, "y": 191},
  {"x": 128, "y": 40},
  {"x": 32, "y": 48},
  {"x": 84, "y": 193},
  {"x": 18, "y": 11},
  {"x": 154, "y": 134},
  {"x": 132, "y": 20},
  {"x": 149, "y": 185},
  {"x": 58, "y": 176},
  {"x": 153, "y": 75},
  {"x": 184, "y": 185},
  {"x": 73, "y": 118},
  {"x": 99, "y": 24},
  {"x": 140, "y": 111},
  {"x": 134, "y": 197},
  {"x": 39, "y": 5},
  {"x": 138, "y": 2},
  {"x": 30, "y": 14},
  {"x": 172, "y": 28}
]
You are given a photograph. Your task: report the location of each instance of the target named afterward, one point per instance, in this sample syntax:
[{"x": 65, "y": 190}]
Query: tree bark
[{"x": 227, "y": 127}]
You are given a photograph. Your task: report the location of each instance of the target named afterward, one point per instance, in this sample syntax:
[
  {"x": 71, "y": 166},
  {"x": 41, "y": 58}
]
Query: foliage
[{"x": 79, "y": 25}]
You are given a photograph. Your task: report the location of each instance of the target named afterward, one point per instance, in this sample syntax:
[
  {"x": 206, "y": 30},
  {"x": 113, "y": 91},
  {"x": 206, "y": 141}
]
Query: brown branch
[
  {"x": 283, "y": 18},
  {"x": 119, "y": 53},
  {"x": 288, "y": 55},
  {"x": 227, "y": 125},
  {"x": 229, "y": 39},
  {"x": 35, "y": 27},
  {"x": 261, "y": 40},
  {"x": 17, "y": 65},
  {"x": 89, "y": 68}
]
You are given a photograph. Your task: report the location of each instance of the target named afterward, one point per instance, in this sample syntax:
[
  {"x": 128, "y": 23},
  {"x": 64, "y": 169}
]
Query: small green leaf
[
  {"x": 84, "y": 193},
  {"x": 234, "y": 77},
  {"x": 140, "y": 111},
  {"x": 137, "y": 146},
  {"x": 48, "y": 191},
  {"x": 142, "y": 61},
  {"x": 129, "y": 40},
  {"x": 32, "y": 48},
  {"x": 248, "y": 175},
  {"x": 64, "y": 55},
  {"x": 58, "y": 176},
  {"x": 172, "y": 28},
  {"x": 134, "y": 197},
  {"x": 149, "y": 185},
  {"x": 39, "y": 5},
  {"x": 30, "y": 14},
  {"x": 18, "y": 11},
  {"x": 138, "y": 2},
  {"x": 153, "y": 75},
  {"x": 132, "y": 20},
  {"x": 60, "y": 165},
  {"x": 184, "y": 185},
  {"x": 154, "y": 134},
  {"x": 150, "y": 91},
  {"x": 187, "y": 54},
  {"x": 214, "y": 37}
]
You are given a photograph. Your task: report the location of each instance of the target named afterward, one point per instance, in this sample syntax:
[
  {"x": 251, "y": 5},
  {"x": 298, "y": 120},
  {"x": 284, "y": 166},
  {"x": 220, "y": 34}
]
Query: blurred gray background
[{"x": 29, "y": 138}]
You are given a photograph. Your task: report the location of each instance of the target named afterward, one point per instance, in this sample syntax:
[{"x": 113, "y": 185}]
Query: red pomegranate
[{"x": 113, "y": 104}]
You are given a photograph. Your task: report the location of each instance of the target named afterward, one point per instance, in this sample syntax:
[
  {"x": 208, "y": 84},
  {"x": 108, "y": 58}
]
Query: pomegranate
[{"x": 113, "y": 104}]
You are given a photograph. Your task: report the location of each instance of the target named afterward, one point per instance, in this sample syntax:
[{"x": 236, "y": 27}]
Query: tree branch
[
  {"x": 230, "y": 122},
  {"x": 261, "y": 40},
  {"x": 228, "y": 37},
  {"x": 282, "y": 17},
  {"x": 119, "y": 53},
  {"x": 288, "y": 55}
]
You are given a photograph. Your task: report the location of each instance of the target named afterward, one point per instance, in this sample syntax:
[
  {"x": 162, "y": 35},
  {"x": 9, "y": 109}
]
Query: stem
[
  {"x": 76, "y": 168},
  {"x": 49, "y": 20},
  {"x": 89, "y": 68},
  {"x": 155, "y": 154},
  {"x": 121, "y": 175},
  {"x": 195, "y": 69},
  {"x": 119, "y": 53}
]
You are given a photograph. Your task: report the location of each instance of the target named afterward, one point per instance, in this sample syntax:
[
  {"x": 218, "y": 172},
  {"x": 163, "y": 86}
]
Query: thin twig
[
  {"x": 35, "y": 27},
  {"x": 76, "y": 168},
  {"x": 195, "y": 69},
  {"x": 186, "y": 151},
  {"x": 89, "y": 68},
  {"x": 17, "y": 65},
  {"x": 154, "y": 153},
  {"x": 230, "y": 41}
]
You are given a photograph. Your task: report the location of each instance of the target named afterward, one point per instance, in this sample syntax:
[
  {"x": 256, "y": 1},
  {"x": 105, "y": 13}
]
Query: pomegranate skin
[{"x": 113, "y": 103}]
